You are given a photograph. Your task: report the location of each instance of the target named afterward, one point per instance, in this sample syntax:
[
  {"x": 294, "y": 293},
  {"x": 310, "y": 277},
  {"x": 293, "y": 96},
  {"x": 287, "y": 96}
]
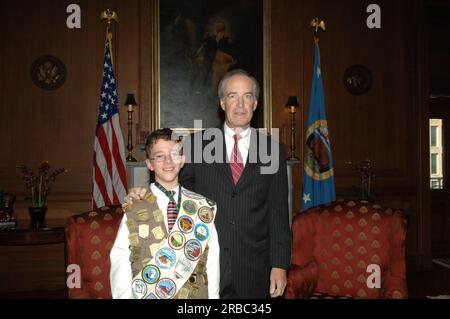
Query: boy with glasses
[{"x": 166, "y": 246}]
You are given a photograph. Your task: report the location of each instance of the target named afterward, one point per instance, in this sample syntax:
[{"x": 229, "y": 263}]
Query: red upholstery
[
  {"x": 90, "y": 237},
  {"x": 334, "y": 244}
]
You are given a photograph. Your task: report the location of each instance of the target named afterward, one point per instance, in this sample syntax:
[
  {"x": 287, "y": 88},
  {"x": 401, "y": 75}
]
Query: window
[{"x": 436, "y": 151}]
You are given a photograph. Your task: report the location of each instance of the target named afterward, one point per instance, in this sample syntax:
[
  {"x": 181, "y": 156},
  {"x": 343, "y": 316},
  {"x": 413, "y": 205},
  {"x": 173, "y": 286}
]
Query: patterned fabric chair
[
  {"x": 90, "y": 237},
  {"x": 334, "y": 244}
]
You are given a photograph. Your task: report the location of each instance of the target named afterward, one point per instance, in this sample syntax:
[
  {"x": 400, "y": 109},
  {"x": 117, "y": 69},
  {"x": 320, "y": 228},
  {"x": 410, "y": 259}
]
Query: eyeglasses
[{"x": 175, "y": 156}]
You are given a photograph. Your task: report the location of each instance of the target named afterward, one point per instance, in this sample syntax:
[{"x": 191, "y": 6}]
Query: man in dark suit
[
  {"x": 244, "y": 172},
  {"x": 252, "y": 218}
]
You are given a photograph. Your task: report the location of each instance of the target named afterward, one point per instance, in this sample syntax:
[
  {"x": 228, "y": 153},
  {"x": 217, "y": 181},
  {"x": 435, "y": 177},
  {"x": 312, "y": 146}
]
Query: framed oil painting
[{"x": 197, "y": 42}]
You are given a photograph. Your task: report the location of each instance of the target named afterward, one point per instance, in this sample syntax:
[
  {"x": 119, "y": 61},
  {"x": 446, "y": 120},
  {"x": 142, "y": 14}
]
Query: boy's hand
[{"x": 136, "y": 193}]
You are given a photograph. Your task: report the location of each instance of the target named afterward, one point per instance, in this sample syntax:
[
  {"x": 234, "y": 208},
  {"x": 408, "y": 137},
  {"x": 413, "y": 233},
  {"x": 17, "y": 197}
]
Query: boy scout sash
[{"x": 168, "y": 265}]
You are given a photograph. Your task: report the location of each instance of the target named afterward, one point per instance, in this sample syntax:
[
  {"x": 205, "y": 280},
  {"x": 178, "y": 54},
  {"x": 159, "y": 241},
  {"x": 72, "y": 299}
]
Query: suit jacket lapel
[{"x": 224, "y": 166}]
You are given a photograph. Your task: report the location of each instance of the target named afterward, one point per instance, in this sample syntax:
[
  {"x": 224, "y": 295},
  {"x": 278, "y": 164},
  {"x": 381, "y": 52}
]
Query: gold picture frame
[{"x": 151, "y": 111}]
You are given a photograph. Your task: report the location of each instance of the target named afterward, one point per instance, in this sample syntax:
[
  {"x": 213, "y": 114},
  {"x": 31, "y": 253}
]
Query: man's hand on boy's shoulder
[{"x": 135, "y": 193}]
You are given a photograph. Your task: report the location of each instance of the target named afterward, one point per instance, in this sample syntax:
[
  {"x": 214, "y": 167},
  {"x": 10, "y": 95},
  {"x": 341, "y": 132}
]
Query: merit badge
[
  {"x": 150, "y": 198},
  {"x": 158, "y": 233},
  {"x": 154, "y": 247},
  {"x": 165, "y": 258},
  {"x": 185, "y": 224},
  {"x": 158, "y": 216},
  {"x": 190, "y": 194},
  {"x": 176, "y": 240},
  {"x": 201, "y": 232},
  {"x": 151, "y": 296},
  {"x": 139, "y": 288},
  {"x": 131, "y": 224},
  {"x": 193, "y": 249},
  {"x": 143, "y": 215},
  {"x": 205, "y": 213},
  {"x": 183, "y": 268},
  {"x": 183, "y": 293},
  {"x": 166, "y": 288},
  {"x": 144, "y": 231},
  {"x": 151, "y": 274},
  {"x": 190, "y": 207},
  {"x": 134, "y": 240}
]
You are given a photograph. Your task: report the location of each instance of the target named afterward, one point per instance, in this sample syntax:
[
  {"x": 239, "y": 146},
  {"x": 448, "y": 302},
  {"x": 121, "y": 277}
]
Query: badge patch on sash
[
  {"x": 158, "y": 216},
  {"x": 166, "y": 288},
  {"x": 158, "y": 233},
  {"x": 133, "y": 238},
  {"x": 139, "y": 288},
  {"x": 183, "y": 268},
  {"x": 151, "y": 274},
  {"x": 189, "y": 207},
  {"x": 165, "y": 258},
  {"x": 205, "y": 214},
  {"x": 143, "y": 215},
  {"x": 176, "y": 240},
  {"x": 193, "y": 249},
  {"x": 144, "y": 231},
  {"x": 186, "y": 224},
  {"x": 154, "y": 247},
  {"x": 201, "y": 232}
]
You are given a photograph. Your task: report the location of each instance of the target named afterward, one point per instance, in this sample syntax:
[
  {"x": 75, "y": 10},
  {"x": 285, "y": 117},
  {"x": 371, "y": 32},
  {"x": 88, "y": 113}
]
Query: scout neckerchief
[{"x": 169, "y": 194}]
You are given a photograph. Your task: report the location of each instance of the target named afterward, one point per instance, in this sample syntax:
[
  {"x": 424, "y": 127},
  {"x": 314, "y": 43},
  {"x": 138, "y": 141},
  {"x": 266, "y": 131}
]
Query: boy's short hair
[{"x": 165, "y": 134}]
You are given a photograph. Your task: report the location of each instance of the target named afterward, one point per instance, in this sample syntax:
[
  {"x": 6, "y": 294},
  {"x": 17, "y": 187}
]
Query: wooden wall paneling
[
  {"x": 59, "y": 125},
  {"x": 287, "y": 69}
]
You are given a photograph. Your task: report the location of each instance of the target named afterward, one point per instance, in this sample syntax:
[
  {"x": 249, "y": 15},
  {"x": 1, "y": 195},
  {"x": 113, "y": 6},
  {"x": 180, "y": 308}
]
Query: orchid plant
[{"x": 39, "y": 183}]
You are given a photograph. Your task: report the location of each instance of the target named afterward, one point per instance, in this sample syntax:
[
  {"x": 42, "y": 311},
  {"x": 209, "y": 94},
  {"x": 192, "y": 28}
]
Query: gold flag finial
[
  {"x": 317, "y": 24},
  {"x": 109, "y": 15}
]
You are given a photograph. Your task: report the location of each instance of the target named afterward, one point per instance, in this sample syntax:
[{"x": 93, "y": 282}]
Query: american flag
[{"x": 110, "y": 181}]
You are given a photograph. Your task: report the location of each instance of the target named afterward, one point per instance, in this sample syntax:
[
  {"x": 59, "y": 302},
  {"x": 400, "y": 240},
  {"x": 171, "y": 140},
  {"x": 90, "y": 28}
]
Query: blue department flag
[
  {"x": 318, "y": 175},
  {"x": 109, "y": 176}
]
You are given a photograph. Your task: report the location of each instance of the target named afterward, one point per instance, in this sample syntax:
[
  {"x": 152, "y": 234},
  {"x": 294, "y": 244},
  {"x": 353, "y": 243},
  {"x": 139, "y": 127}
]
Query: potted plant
[
  {"x": 39, "y": 185},
  {"x": 367, "y": 176}
]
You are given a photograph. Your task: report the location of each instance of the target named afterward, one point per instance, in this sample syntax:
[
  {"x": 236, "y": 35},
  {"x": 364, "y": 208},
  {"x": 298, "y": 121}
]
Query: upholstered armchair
[
  {"x": 90, "y": 237},
  {"x": 333, "y": 245}
]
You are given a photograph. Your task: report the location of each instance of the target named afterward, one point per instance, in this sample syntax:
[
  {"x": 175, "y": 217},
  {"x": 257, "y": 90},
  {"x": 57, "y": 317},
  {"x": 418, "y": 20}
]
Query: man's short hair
[
  {"x": 231, "y": 73},
  {"x": 165, "y": 134}
]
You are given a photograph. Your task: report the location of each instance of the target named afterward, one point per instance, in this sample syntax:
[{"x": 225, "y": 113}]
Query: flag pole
[
  {"x": 317, "y": 24},
  {"x": 109, "y": 16},
  {"x": 318, "y": 175}
]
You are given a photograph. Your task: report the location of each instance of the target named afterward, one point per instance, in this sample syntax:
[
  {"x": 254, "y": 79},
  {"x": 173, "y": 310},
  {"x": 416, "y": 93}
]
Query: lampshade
[
  {"x": 292, "y": 101},
  {"x": 130, "y": 100}
]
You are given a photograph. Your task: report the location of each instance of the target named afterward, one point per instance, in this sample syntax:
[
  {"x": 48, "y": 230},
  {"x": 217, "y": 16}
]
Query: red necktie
[
  {"x": 237, "y": 165},
  {"x": 171, "y": 211}
]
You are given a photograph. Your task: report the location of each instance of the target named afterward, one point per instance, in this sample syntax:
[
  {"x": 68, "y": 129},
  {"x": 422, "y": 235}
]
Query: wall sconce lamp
[
  {"x": 292, "y": 104},
  {"x": 131, "y": 104}
]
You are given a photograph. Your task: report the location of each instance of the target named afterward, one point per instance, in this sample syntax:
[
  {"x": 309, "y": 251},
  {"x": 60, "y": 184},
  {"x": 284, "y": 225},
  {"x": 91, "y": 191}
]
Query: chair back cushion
[
  {"x": 342, "y": 239},
  {"x": 90, "y": 237}
]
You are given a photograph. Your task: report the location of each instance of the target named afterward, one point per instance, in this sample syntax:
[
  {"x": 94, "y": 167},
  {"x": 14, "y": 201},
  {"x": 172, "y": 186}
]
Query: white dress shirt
[
  {"x": 243, "y": 142},
  {"x": 121, "y": 274}
]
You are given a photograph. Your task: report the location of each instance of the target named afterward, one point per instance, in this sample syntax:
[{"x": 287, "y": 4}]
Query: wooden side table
[
  {"x": 25, "y": 237},
  {"x": 32, "y": 270}
]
